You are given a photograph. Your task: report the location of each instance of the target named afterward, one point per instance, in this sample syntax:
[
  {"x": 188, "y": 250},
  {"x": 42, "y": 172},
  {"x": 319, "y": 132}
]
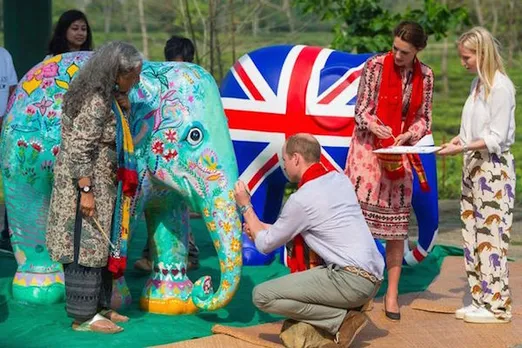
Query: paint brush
[
  {"x": 382, "y": 123},
  {"x": 103, "y": 232}
]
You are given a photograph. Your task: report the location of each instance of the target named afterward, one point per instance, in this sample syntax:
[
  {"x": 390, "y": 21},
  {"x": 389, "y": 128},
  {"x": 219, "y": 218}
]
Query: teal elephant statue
[{"x": 185, "y": 161}]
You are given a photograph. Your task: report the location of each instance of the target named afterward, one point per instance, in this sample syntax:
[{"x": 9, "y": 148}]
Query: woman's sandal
[
  {"x": 93, "y": 325},
  {"x": 114, "y": 316}
]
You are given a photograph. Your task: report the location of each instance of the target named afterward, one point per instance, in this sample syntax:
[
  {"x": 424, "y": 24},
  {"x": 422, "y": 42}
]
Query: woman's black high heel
[{"x": 395, "y": 316}]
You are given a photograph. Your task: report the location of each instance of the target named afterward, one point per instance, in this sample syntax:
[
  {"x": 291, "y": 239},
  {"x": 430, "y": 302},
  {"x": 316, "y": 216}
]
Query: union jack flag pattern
[{"x": 274, "y": 92}]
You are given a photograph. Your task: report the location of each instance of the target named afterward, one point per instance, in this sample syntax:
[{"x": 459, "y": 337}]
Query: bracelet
[{"x": 243, "y": 209}]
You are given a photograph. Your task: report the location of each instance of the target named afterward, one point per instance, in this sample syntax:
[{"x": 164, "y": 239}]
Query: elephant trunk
[{"x": 224, "y": 226}]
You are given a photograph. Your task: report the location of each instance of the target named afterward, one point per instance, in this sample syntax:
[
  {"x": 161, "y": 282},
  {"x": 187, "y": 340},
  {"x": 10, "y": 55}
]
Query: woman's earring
[{"x": 116, "y": 88}]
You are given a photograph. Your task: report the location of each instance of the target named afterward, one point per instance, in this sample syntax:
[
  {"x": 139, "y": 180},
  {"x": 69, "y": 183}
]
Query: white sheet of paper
[{"x": 408, "y": 149}]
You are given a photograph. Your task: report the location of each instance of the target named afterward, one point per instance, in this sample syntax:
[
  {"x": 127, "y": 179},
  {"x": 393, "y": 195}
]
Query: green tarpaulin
[{"x": 23, "y": 325}]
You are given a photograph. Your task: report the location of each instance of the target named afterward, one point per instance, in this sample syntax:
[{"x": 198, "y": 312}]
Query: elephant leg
[
  {"x": 38, "y": 279},
  {"x": 274, "y": 197},
  {"x": 274, "y": 201},
  {"x": 168, "y": 290},
  {"x": 426, "y": 207},
  {"x": 121, "y": 296}
]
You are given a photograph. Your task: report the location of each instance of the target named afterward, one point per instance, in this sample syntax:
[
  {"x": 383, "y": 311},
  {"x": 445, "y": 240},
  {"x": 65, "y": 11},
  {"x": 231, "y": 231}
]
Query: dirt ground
[{"x": 450, "y": 232}]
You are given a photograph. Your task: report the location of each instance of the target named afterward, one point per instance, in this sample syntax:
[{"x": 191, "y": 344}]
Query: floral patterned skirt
[{"x": 385, "y": 203}]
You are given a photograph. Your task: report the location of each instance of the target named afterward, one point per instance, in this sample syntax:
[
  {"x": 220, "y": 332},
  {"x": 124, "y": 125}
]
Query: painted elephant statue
[
  {"x": 185, "y": 160},
  {"x": 276, "y": 91}
]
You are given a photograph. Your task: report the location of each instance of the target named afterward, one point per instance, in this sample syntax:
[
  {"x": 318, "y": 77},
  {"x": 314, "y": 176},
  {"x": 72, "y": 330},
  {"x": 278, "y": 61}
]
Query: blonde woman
[{"x": 488, "y": 180}]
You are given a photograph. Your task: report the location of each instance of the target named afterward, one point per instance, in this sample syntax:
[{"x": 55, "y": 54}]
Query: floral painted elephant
[{"x": 185, "y": 159}]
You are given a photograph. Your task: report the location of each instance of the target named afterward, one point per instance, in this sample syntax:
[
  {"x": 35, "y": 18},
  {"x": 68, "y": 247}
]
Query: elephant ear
[{"x": 157, "y": 71}]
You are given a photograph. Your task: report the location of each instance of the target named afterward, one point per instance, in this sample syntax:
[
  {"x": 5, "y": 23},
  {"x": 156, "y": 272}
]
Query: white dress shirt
[
  {"x": 325, "y": 211},
  {"x": 492, "y": 120}
]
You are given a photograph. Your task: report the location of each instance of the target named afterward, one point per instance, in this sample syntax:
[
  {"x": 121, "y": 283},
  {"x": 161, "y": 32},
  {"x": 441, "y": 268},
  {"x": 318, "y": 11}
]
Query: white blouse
[{"x": 492, "y": 120}]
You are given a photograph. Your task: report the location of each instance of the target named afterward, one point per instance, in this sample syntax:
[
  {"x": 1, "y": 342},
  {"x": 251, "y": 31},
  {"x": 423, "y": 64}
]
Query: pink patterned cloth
[{"x": 386, "y": 204}]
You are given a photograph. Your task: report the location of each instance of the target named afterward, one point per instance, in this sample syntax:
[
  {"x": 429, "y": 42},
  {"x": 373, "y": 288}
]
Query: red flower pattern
[
  {"x": 37, "y": 147},
  {"x": 157, "y": 147},
  {"x": 171, "y": 154},
  {"x": 171, "y": 136}
]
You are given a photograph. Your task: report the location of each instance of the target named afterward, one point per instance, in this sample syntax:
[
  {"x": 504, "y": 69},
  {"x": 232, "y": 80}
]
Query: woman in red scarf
[{"x": 394, "y": 103}]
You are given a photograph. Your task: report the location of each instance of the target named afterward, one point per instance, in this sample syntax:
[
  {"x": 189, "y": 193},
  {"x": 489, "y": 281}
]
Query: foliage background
[{"x": 226, "y": 29}]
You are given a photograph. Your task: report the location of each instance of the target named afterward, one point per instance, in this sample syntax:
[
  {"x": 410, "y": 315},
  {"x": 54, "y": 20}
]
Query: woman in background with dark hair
[
  {"x": 394, "y": 103},
  {"x": 72, "y": 33},
  {"x": 179, "y": 49}
]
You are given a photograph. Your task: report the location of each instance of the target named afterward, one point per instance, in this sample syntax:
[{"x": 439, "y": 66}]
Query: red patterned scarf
[
  {"x": 300, "y": 256},
  {"x": 389, "y": 111}
]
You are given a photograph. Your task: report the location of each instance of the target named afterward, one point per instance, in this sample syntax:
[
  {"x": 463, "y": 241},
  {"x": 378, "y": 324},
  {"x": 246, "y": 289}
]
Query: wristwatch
[
  {"x": 465, "y": 148},
  {"x": 86, "y": 189},
  {"x": 243, "y": 209}
]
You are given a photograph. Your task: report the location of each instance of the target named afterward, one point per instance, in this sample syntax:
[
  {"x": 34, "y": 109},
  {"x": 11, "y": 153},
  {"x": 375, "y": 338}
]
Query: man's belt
[{"x": 362, "y": 273}]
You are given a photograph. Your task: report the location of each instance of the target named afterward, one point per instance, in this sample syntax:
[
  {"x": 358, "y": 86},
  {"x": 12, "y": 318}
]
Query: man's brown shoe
[
  {"x": 352, "y": 324},
  {"x": 368, "y": 306}
]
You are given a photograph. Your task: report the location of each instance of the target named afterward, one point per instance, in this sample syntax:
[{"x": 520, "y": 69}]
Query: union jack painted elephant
[{"x": 273, "y": 92}]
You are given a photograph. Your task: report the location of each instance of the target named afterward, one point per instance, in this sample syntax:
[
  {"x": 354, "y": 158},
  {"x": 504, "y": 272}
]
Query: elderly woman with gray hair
[{"x": 85, "y": 191}]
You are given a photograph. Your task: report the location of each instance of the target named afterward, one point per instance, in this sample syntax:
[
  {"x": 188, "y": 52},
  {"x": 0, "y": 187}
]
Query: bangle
[{"x": 243, "y": 209}]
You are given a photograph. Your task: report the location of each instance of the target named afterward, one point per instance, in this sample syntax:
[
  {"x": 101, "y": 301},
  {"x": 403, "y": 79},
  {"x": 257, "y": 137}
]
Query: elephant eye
[{"x": 195, "y": 136}]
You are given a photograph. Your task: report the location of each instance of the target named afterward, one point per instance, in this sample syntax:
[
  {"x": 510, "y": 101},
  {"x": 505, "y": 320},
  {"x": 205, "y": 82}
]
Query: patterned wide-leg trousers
[{"x": 488, "y": 197}]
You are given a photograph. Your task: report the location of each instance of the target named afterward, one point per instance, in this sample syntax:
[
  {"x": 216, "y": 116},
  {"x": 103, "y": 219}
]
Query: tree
[
  {"x": 127, "y": 15},
  {"x": 232, "y": 29},
  {"x": 212, "y": 30},
  {"x": 513, "y": 33},
  {"x": 502, "y": 19},
  {"x": 107, "y": 16},
  {"x": 143, "y": 26},
  {"x": 444, "y": 64},
  {"x": 365, "y": 26}
]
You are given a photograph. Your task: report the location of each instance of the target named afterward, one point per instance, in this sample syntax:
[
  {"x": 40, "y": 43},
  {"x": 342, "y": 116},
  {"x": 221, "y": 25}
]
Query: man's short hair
[
  {"x": 178, "y": 46},
  {"x": 306, "y": 145}
]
